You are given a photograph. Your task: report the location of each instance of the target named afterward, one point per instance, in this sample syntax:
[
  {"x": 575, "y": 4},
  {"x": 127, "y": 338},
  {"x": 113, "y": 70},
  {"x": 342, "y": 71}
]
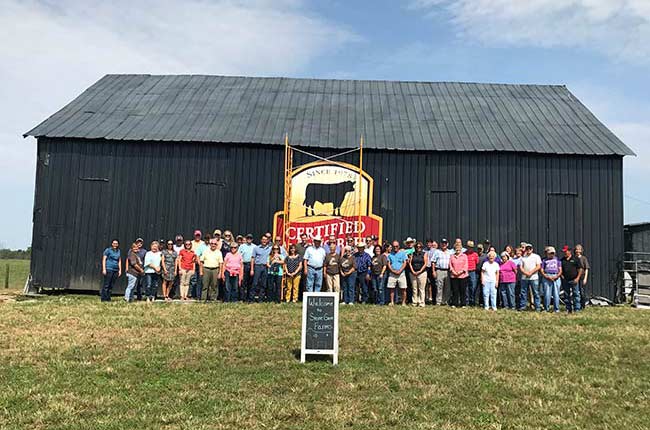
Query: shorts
[{"x": 396, "y": 279}]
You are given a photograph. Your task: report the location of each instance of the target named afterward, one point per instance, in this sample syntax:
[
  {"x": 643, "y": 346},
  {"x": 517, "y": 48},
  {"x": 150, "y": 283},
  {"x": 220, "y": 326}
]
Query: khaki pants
[
  {"x": 442, "y": 286},
  {"x": 333, "y": 283},
  {"x": 293, "y": 286},
  {"x": 186, "y": 275},
  {"x": 418, "y": 287},
  {"x": 210, "y": 279}
]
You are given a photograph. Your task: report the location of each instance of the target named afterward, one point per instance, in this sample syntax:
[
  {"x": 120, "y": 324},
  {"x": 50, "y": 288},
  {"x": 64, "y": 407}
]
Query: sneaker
[
  {"x": 351, "y": 304},
  {"x": 390, "y": 303}
]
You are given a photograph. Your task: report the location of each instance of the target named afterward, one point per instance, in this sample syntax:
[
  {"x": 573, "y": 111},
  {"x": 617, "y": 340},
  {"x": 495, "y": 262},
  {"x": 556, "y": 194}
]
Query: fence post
[{"x": 7, "y": 277}]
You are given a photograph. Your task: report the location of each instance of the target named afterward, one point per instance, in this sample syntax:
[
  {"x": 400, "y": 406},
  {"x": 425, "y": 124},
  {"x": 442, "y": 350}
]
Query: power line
[{"x": 637, "y": 199}]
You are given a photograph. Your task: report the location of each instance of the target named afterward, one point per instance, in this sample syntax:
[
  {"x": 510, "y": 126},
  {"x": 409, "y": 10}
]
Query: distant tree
[{"x": 17, "y": 254}]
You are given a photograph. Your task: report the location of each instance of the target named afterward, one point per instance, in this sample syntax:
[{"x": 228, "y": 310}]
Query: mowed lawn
[
  {"x": 70, "y": 362},
  {"x": 18, "y": 272}
]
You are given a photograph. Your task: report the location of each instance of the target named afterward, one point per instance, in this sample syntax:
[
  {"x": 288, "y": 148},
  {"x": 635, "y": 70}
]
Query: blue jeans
[
  {"x": 523, "y": 295},
  {"x": 314, "y": 279},
  {"x": 507, "y": 290},
  {"x": 151, "y": 282},
  {"x": 377, "y": 285},
  {"x": 363, "y": 287},
  {"x": 572, "y": 296},
  {"x": 470, "y": 296},
  {"x": 131, "y": 280},
  {"x": 348, "y": 283},
  {"x": 551, "y": 289},
  {"x": 275, "y": 286},
  {"x": 196, "y": 284},
  {"x": 490, "y": 295},
  {"x": 258, "y": 288},
  {"x": 232, "y": 287},
  {"x": 107, "y": 286}
]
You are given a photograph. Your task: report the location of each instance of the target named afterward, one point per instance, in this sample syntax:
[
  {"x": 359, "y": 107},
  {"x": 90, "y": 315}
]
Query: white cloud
[
  {"x": 619, "y": 29},
  {"x": 51, "y": 51}
]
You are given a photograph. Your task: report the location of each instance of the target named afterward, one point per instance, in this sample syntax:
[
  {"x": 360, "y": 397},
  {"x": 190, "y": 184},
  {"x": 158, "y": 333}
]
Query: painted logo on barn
[{"x": 327, "y": 198}]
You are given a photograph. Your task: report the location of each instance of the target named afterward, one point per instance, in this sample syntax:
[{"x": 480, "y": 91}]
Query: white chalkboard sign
[{"x": 320, "y": 325}]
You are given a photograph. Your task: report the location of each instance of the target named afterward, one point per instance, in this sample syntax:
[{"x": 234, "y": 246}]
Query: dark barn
[{"x": 152, "y": 156}]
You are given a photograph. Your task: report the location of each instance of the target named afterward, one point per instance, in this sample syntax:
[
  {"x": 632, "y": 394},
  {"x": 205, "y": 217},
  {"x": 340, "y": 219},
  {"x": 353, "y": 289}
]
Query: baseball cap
[
  {"x": 216, "y": 232},
  {"x": 444, "y": 240},
  {"x": 470, "y": 244},
  {"x": 529, "y": 245},
  {"x": 565, "y": 248},
  {"x": 550, "y": 249},
  {"x": 139, "y": 239},
  {"x": 179, "y": 237},
  {"x": 505, "y": 254},
  {"x": 197, "y": 232},
  {"x": 249, "y": 236}
]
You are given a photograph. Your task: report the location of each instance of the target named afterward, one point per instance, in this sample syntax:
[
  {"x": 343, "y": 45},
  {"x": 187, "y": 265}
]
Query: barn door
[
  {"x": 91, "y": 233},
  {"x": 564, "y": 219},
  {"x": 442, "y": 214}
]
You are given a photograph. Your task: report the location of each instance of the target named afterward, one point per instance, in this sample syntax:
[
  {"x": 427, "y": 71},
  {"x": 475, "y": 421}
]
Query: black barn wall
[{"x": 89, "y": 191}]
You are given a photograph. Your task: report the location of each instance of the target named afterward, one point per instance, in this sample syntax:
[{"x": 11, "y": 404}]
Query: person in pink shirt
[
  {"x": 232, "y": 270},
  {"x": 458, "y": 271},
  {"x": 507, "y": 280}
]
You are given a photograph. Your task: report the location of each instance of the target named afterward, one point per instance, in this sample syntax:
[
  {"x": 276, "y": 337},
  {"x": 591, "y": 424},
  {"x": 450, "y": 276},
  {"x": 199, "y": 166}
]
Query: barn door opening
[
  {"x": 442, "y": 218},
  {"x": 564, "y": 214}
]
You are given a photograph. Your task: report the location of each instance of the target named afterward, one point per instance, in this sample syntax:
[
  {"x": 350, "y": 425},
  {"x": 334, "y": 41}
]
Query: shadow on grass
[{"x": 312, "y": 357}]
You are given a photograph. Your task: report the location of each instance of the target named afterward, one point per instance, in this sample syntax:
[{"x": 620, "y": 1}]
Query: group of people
[{"x": 228, "y": 268}]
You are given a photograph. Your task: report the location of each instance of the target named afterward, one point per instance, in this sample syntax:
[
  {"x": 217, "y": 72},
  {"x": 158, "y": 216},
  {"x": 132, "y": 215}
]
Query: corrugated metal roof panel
[{"x": 444, "y": 116}]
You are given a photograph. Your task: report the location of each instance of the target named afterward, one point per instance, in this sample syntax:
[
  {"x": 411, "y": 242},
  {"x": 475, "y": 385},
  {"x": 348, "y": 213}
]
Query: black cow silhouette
[{"x": 327, "y": 193}]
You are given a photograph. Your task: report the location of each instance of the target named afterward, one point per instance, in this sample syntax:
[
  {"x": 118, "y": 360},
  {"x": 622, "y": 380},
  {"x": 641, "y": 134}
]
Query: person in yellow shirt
[{"x": 211, "y": 260}]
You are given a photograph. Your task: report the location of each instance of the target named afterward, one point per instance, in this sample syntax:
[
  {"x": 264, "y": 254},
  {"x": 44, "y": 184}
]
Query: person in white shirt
[
  {"x": 529, "y": 268},
  {"x": 489, "y": 277},
  {"x": 314, "y": 260}
]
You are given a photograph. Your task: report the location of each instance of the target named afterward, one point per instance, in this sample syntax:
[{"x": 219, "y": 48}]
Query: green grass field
[
  {"x": 70, "y": 362},
  {"x": 18, "y": 272}
]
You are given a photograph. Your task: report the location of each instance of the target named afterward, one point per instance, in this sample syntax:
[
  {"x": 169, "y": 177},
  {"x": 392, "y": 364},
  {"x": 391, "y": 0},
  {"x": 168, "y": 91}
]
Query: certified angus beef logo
[{"x": 327, "y": 198}]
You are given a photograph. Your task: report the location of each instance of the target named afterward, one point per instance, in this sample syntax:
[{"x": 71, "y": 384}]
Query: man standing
[
  {"x": 211, "y": 260},
  {"x": 332, "y": 240},
  {"x": 301, "y": 246},
  {"x": 363, "y": 261},
  {"x": 441, "y": 266},
  {"x": 572, "y": 271},
  {"x": 246, "y": 251},
  {"x": 397, "y": 260},
  {"x": 258, "y": 270},
  {"x": 432, "y": 247},
  {"x": 530, "y": 265},
  {"x": 142, "y": 251},
  {"x": 314, "y": 261},
  {"x": 584, "y": 296},
  {"x": 472, "y": 262},
  {"x": 196, "y": 283}
]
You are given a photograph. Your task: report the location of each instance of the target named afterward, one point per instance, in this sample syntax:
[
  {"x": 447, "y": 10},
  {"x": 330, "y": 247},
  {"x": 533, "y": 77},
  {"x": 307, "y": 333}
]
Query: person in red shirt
[
  {"x": 458, "y": 273},
  {"x": 185, "y": 264},
  {"x": 472, "y": 262}
]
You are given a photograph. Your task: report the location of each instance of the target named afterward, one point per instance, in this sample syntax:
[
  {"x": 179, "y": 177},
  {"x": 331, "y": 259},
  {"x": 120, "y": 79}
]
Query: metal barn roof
[{"x": 327, "y": 113}]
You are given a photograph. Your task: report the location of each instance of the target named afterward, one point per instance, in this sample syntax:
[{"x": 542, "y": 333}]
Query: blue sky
[{"x": 53, "y": 50}]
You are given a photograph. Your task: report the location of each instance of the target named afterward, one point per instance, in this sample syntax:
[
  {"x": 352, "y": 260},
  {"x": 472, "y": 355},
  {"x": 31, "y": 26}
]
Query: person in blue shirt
[
  {"x": 258, "y": 270},
  {"x": 363, "y": 261},
  {"x": 397, "y": 260},
  {"x": 246, "y": 251},
  {"x": 111, "y": 269}
]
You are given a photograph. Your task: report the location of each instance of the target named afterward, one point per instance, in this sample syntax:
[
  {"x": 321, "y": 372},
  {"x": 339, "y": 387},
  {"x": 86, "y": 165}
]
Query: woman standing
[
  {"x": 169, "y": 257},
  {"x": 459, "y": 274},
  {"x": 232, "y": 271},
  {"x": 377, "y": 271},
  {"x": 152, "y": 270},
  {"x": 292, "y": 268},
  {"x": 348, "y": 275},
  {"x": 274, "y": 270},
  {"x": 417, "y": 263},
  {"x": 551, "y": 271},
  {"x": 185, "y": 264},
  {"x": 507, "y": 279},
  {"x": 489, "y": 276},
  {"x": 111, "y": 269},
  {"x": 386, "y": 247},
  {"x": 133, "y": 272}
]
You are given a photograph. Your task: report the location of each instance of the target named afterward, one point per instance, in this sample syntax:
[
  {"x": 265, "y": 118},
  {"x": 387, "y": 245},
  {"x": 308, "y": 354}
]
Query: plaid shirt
[
  {"x": 363, "y": 261},
  {"x": 441, "y": 259}
]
